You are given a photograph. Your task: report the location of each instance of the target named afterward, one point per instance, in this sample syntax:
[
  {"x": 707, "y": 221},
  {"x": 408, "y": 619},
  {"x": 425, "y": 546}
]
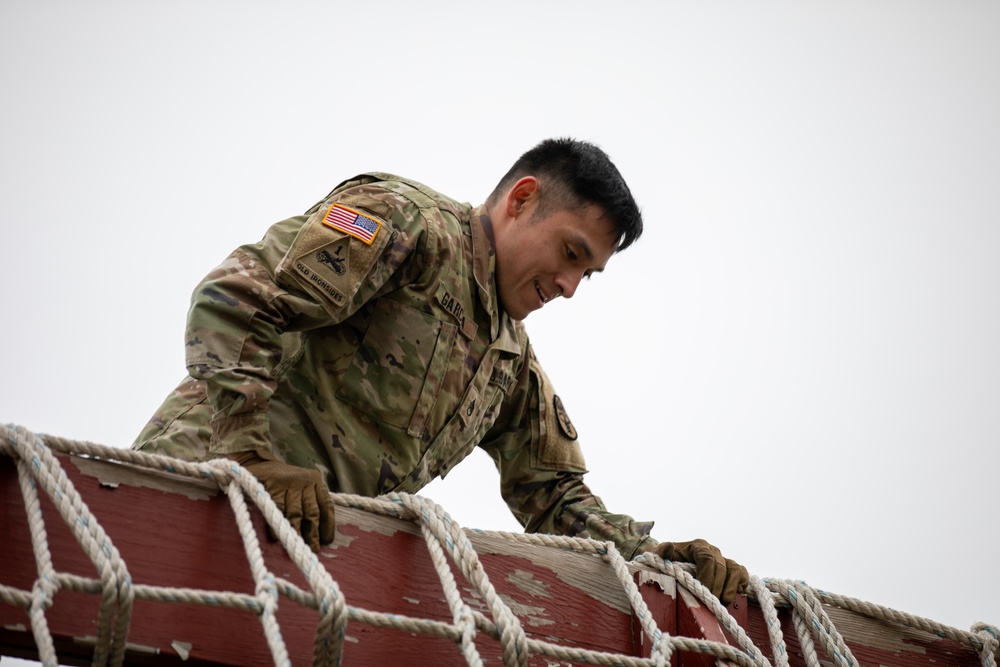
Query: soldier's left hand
[{"x": 723, "y": 576}]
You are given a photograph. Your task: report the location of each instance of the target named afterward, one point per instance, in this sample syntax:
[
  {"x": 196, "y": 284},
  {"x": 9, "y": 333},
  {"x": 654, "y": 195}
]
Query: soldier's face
[{"x": 538, "y": 260}]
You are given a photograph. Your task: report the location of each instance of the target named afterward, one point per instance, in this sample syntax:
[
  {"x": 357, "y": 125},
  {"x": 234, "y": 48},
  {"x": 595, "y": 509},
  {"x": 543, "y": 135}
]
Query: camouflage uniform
[{"x": 364, "y": 339}]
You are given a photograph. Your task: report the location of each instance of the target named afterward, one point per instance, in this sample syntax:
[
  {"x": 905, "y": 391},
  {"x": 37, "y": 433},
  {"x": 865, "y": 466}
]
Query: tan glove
[
  {"x": 299, "y": 493},
  {"x": 723, "y": 576}
]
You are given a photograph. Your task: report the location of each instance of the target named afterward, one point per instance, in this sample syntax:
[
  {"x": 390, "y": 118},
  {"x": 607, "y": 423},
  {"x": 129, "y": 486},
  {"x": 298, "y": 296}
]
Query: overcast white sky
[{"x": 797, "y": 362}]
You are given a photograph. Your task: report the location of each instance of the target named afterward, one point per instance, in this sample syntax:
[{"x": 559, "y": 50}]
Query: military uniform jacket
[{"x": 364, "y": 339}]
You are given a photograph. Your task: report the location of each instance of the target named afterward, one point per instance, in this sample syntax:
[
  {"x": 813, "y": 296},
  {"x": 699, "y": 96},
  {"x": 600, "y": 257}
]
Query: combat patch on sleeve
[
  {"x": 557, "y": 448},
  {"x": 314, "y": 267},
  {"x": 335, "y": 252}
]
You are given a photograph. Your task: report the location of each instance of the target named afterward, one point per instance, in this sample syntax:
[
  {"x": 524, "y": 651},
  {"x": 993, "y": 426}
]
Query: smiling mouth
[{"x": 541, "y": 295}]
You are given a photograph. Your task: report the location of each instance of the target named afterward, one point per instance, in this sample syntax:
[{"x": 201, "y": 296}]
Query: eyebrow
[{"x": 585, "y": 247}]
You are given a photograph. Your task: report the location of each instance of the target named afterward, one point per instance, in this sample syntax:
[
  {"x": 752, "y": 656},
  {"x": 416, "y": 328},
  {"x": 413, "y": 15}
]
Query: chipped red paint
[
  {"x": 169, "y": 539},
  {"x": 872, "y": 642},
  {"x": 173, "y": 539}
]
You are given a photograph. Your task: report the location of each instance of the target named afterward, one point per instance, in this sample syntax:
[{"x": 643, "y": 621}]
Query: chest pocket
[
  {"x": 476, "y": 415},
  {"x": 396, "y": 373}
]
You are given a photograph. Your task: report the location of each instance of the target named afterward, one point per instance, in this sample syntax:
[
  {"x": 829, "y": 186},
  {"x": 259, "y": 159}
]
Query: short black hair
[{"x": 572, "y": 174}]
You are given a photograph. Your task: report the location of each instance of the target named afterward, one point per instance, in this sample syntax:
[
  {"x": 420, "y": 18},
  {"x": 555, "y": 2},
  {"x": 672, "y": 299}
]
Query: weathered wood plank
[
  {"x": 874, "y": 643},
  {"x": 177, "y": 532},
  {"x": 174, "y": 533},
  {"x": 695, "y": 620},
  {"x": 659, "y": 592}
]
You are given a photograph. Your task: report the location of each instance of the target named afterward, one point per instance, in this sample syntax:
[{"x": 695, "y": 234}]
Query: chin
[
  {"x": 517, "y": 315},
  {"x": 512, "y": 311}
]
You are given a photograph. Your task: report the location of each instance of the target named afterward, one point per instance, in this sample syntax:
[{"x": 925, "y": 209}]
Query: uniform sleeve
[
  {"x": 534, "y": 446},
  {"x": 309, "y": 271}
]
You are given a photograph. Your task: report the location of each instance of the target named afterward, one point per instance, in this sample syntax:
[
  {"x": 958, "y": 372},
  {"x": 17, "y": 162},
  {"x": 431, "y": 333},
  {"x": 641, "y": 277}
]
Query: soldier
[{"x": 370, "y": 344}]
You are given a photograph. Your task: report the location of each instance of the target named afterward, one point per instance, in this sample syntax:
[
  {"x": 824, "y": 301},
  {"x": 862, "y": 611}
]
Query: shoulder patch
[
  {"x": 565, "y": 425},
  {"x": 557, "y": 447},
  {"x": 321, "y": 267},
  {"x": 349, "y": 221},
  {"x": 334, "y": 253}
]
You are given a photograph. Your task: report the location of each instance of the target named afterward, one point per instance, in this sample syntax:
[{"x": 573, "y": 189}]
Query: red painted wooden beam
[{"x": 181, "y": 533}]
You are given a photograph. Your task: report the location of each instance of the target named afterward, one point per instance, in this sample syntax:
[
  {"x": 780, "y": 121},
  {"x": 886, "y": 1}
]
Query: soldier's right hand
[{"x": 299, "y": 493}]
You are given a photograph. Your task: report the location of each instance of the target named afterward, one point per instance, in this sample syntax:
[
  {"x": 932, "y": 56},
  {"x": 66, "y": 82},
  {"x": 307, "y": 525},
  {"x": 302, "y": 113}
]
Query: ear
[{"x": 524, "y": 191}]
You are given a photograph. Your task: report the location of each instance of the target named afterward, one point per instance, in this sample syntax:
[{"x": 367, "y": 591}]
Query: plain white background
[{"x": 797, "y": 362}]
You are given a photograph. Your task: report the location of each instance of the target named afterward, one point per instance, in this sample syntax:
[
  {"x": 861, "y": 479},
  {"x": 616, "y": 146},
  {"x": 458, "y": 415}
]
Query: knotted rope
[
  {"x": 38, "y": 467},
  {"x": 35, "y": 458}
]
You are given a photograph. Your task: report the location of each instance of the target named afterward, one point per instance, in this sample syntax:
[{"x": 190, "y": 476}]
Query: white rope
[
  {"x": 265, "y": 589},
  {"x": 461, "y": 612},
  {"x": 766, "y": 601},
  {"x": 805, "y": 640},
  {"x": 445, "y": 539},
  {"x": 45, "y": 587},
  {"x": 750, "y": 655},
  {"x": 988, "y": 635},
  {"x": 115, "y": 586},
  {"x": 982, "y": 638},
  {"x": 116, "y": 593},
  {"x": 807, "y": 604}
]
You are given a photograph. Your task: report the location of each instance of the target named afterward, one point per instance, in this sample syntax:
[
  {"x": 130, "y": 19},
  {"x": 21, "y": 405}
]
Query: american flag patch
[{"x": 351, "y": 222}]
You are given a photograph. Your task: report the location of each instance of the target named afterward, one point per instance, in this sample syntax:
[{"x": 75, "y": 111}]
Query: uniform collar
[{"x": 503, "y": 330}]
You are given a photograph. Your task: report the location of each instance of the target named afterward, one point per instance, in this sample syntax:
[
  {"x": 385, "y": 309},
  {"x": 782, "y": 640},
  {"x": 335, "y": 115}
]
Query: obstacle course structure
[{"x": 116, "y": 557}]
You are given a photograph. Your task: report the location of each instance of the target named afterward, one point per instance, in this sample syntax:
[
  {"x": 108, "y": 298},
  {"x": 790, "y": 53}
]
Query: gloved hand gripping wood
[{"x": 299, "y": 493}]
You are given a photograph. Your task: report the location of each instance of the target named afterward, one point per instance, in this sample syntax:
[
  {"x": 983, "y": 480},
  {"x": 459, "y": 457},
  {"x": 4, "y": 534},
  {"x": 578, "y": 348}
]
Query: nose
[{"x": 567, "y": 284}]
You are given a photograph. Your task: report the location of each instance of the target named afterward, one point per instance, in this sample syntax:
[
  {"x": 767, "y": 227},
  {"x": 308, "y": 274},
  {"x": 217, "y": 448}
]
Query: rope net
[{"x": 447, "y": 544}]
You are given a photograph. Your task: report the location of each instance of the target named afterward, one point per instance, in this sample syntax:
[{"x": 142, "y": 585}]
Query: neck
[{"x": 487, "y": 222}]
